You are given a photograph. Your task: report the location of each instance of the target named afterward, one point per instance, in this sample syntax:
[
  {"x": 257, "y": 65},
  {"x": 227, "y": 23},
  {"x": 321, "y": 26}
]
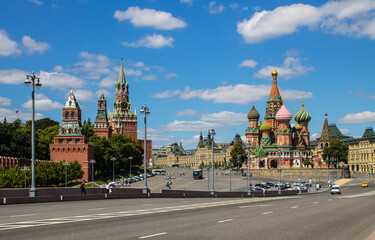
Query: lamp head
[
  {"x": 27, "y": 81},
  {"x": 212, "y": 132},
  {"x": 130, "y": 158},
  {"x": 113, "y": 159},
  {"x": 38, "y": 84}
]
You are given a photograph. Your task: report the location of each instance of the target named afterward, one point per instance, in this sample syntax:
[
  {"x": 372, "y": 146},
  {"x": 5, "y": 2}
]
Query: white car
[{"x": 335, "y": 189}]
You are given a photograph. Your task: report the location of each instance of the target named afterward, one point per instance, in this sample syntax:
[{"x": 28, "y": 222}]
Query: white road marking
[
  {"x": 315, "y": 202},
  {"x": 329, "y": 199},
  {"x": 24, "y": 215},
  {"x": 294, "y": 207},
  {"x": 149, "y": 204},
  {"x": 153, "y": 235},
  {"x": 267, "y": 213},
  {"x": 94, "y": 209},
  {"x": 96, "y": 216},
  {"x": 247, "y": 206},
  {"x": 226, "y": 220}
]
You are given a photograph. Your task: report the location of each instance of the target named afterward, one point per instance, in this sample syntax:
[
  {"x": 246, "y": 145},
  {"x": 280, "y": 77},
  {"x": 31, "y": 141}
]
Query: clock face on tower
[{"x": 124, "y": 105}]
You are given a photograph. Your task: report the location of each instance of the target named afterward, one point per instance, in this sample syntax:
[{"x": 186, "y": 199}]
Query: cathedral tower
[
  {"x": 101, "y": 126},
  {"x": 284, "y": 136},
  {"x": 252, "y": 132}
]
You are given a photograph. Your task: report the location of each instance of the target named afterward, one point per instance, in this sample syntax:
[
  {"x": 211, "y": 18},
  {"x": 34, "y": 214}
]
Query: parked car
[
  {"x": 364, "y": 184},
  {"x": 335, "y": 189}
]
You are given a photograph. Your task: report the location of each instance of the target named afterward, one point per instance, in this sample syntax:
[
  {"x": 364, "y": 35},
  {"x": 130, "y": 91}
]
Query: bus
[
  {"x": 197, "y": 174},
  {"x": 158, "y": 171}
]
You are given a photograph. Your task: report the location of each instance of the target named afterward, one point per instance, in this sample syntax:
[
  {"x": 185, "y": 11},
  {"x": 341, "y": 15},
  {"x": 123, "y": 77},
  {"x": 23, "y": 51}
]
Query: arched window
[
  {"x": 101, "y": 105},
  {"x": 66, "y": 115},
  {"x": 76, "y": 131},
  {"x": 70, "y": 131},
  {"x": 73, "y": 115}
]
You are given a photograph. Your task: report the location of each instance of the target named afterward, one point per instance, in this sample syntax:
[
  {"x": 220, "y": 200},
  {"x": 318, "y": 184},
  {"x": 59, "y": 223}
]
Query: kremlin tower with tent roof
[{"x": 276, "y": 134}]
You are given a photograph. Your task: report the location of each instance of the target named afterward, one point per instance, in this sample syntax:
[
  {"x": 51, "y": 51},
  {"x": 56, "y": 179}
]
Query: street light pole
[
  {"x": 92, "y": 169},
  {"x": 113, "y": 159},
  {"x": 230, "y": 176},
  {"x": 130, "y": 158},
  {"x": 66, "y": 164},
  {"x": 300, "y": 167},
  {"x": 279, "y": 190},
  {"x": 145, "y": 111},
  {"x": 24, "y": 168},
  {"x": 212, "y": 133},
  {"x": 248, "y": 175},
  {"x": 30, "y": 80},
  {"x": 327, "y": 158}
]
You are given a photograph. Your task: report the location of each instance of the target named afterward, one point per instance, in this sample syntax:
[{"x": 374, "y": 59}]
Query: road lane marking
[
  {"x": 149, "y": 204},
  {"x": 294, "y": 207},
  {"x": 186, "y": 184},
  {"x": 153, "y": 235},
  {"x": 23, "y": 215},
  {"x": 315, "y": 202},
  {"x": 329, "y": 199},
  {"x": 226, "y": 220},
  {"x": 94, "y": 209},
  {"x": 267, "y": 213},
  {"x": 247, "y": 206}
]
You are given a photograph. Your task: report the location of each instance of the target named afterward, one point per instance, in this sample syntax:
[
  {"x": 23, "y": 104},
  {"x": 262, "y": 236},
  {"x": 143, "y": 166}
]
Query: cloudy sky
[{"x": 197, "y": 64}]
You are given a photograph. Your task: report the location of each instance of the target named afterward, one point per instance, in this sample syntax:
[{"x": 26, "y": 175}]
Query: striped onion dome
[
  {"x": 297, "y": 127},
  {"x": 253, "y": 114},
  {"x": 283, "y": 114},
  {"x": 302, "y": 115},
  {"x": 265, "y": 127}
]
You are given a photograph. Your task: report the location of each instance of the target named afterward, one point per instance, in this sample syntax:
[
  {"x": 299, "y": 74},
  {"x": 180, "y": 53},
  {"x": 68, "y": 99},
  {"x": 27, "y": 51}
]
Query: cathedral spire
[
  {"x": 121, "y": 77},
  {"x": 275, "y": 93}
]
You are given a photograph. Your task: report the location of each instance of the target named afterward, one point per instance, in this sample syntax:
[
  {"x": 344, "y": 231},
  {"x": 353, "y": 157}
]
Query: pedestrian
[
  {"x": 107, "y": 188},
  {"x": 83, "y": 190}
]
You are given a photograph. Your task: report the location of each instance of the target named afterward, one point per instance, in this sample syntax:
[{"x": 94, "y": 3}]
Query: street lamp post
[
  {"x": 66, "y": 164},
  {"x": 337, "y": 166},
  {"x": 113, "y": 171},
  {"x": 24, "y": 168},
  {"x": 212, "y": 133},
  {"x": 327, "y": 158},
  {"x": 92, "y": 170},
  {"x": 230, "y": 176},
  {"x": 145, "y": 111},
  {"x": 259, "y": 170},
  {"x": 130, "y": 159},
  {"x": 316, "y": 177},
  {"x": 279, "y": 190},
  {"x": 30, "y": 80},
  {"x": 248, "y": 175},
  {"x": 300, "y": 167}
]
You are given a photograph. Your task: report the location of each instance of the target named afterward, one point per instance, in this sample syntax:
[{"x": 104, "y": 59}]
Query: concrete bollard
[
  {"x": 61, "y": 197},
  {"x": 105, "y": 195},
  {"x": 4, "y": 201}
]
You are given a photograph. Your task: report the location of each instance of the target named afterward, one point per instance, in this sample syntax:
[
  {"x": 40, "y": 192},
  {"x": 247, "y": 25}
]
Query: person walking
[
  {"x": 83, "y": 189},
  {"x": 107, "y": 188}
]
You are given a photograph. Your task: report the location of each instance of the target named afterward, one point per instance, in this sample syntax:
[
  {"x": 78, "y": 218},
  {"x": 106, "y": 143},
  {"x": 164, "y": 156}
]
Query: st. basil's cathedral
[
  {"x": 71, "y": 144},
  {"x": 276, "y": 136}
]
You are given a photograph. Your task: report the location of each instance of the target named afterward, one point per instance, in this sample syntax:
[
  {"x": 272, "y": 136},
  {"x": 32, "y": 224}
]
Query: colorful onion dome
[
  {"x": 297, "y": 127},
  {"x": 283, "y": 114},
  {"x": 302, "y": 115},
  {"x": 260, "y": 123},
  {"x": 253, "y": 114},
  {"x": 274, "y": 72},
  {"x": 265, "y": 127}
]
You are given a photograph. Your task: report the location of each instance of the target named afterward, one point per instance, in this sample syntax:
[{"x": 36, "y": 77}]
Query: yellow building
[{"x": 361, "y": 153}]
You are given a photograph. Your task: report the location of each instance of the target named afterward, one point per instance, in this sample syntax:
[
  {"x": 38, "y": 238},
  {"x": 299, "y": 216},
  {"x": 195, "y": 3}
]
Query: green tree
[
  {"x": 87, "y": 130},
  {"x": 44, "y": 137},
  {"x": 14, "y": 141},
  {"x": 41, "y": 123},
  {"x": 336, "y": 150},
  {"x": 238, "y": 155},
  {"x": 11, "y": 178}
]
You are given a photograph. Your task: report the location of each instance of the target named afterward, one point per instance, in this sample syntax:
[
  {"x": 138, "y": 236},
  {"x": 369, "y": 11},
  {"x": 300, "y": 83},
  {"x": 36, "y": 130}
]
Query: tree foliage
[
  {"x": 14, "y": 140},
  {"x": 238, "y": 155},
  {"x": 336, "y": 150},
  {"x": 87, "y": 130},
  {"x": 44, "y": 137}
]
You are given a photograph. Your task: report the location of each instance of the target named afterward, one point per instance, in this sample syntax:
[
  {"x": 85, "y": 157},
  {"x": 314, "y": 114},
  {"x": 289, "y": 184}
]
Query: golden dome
[{"x": 274, "y": 72}]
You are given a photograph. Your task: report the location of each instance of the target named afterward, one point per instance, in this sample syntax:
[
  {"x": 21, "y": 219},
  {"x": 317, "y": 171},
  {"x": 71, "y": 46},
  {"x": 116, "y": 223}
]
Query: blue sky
[{"x": 197, "y": 64}]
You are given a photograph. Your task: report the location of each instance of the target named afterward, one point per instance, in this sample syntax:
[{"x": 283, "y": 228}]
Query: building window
[
  {"x": 73, "y": 115},
  {"x": 61, "y": 141},
  {"x": 101, "y": 105},
  {"x": 69, "y": 140},
  {"x": 66, "y": 115},
  {"x": 77, "y": 141}
]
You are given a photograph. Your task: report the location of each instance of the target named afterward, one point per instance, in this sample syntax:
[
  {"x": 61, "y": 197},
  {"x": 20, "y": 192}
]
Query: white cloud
[
  {"x": 42, "y": 103},
  {"x": 83, "y": 95},
  {"x": 7, "y": 46},
  {"x": 291, "y": 67},
  {"x": 150, "y": 18},
  {"x": 11, "y": 115},
  {"x": 151, "y": 41},
  {"x": 58, "y": 68},
  {"x": 248, "y": 63},
  {"x": 150, "y": 77},
  {"x": 349, "y": 17},
  {"x": 93, "y": 66},
  {"x": 60, "y": 81},
  {"x": 345, "y": 131},
  {"x": 5, "y": 101},
  {"x": 314, "y": 136},
  {"x": 37, "y": 2},
  {"x": 132, "y": 72},
  {"x": 107, "y": 82},
  {"x": 188, "y": 112},
  {"x": 213, "y": 8},
  {"x": 32, "y": 46},
  {"x": 234, "y": 6},
  {"x": 238, "y": 94},
  {"x": 357, "y": 118},
  {"x": 221, "y": 120},
  {"x": 188, "y": 2},
  {"x": 170, "y": 75},
  {"x": 12, "y": 76}
]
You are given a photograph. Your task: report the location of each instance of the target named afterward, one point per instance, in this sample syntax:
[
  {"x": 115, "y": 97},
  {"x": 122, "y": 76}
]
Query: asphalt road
[{"x": 308, "y": 216}]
